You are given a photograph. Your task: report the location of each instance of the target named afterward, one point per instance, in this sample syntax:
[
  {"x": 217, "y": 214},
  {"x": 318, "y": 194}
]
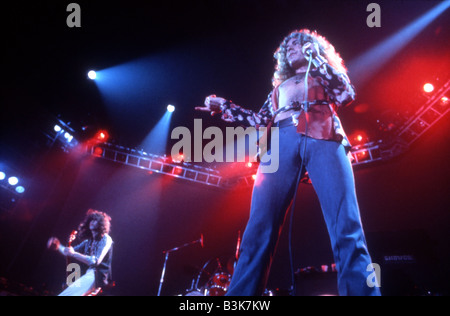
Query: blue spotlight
[
  {"x": 170, "y": 108},
  {"x": 20, "y": 189},
  {"x": 13, "y": 180},
  {"x": 2, "y": 176},
  {"x": 156, "y": 140},
  {"x": 366, "y": 65},
  {"x": 133, "y": 85},
  {"x": 92, "y": 75}
]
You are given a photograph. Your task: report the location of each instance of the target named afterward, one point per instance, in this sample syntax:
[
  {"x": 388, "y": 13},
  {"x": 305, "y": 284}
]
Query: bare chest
[{"x": 293, "y": 90}]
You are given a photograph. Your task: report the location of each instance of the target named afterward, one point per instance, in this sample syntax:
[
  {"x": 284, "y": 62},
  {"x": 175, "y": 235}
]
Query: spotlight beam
[
  {"x": 156, "y": 140},
  {"x": 366, "y": 65}
]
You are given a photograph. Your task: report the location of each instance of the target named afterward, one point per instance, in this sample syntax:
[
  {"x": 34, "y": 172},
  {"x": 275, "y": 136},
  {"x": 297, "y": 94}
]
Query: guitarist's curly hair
[{"x": 103, "y": 219}]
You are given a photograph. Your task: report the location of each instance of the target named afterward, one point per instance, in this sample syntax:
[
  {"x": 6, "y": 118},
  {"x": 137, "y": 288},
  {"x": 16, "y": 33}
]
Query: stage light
[
  {"x": 254, "y": 177},
  {"x": 98, "y": 151},
  {"x": 170, "y": 108},
  {"x": 444, "y": 100},
  {"x": 57, "y": 128},
  {"x": 68, "y": 137},
  {"x": 92, "y": 75},
  {"x": 249, "y": 164},
  {"x": 20, "y": 189},
  {"x": 428, "y": 87},
  {"x": 178, "y": 158},
  {"x": 13, "y": 180},
  {"x": 177, "y": 171},
  {"x": 359, "y": 137},
  {"x": 102, "y": 136},
  {"x": 2, "y": 176}
]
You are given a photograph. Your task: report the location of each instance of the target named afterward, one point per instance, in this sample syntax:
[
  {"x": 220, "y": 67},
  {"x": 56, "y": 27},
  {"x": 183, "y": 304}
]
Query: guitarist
[{"x": 94, "y": 252}]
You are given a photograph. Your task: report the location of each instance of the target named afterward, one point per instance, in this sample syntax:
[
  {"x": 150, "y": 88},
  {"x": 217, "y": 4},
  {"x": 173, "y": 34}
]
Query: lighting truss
[
  {"x": 61, "y": 134},
  {"x": 158, "y": 164},
  {"x": 427, "y": 116}
]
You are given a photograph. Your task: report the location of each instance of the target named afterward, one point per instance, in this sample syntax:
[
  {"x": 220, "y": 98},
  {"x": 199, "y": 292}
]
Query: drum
[
  {"x": 194, "y": 293},
  {"x": 218, "y": 284}
]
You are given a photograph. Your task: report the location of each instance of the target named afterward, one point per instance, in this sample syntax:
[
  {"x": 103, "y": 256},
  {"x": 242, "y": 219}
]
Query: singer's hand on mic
[{"x": 310, "y": 49}]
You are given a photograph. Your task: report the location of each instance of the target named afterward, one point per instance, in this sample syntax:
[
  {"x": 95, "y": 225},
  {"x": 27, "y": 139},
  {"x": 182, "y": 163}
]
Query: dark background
[{"x": 185, "y": 51}]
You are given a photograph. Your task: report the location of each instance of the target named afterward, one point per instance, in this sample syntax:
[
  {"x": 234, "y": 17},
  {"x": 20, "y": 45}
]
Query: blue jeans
[{"x": 332, "y": 177}]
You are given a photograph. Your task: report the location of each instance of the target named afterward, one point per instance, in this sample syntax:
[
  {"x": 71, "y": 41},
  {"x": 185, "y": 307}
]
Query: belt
[{"x": 285, "y": 122}]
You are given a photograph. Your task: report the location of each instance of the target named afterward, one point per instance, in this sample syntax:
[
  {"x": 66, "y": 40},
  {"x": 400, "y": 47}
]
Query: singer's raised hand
[{"x": 212, "y": 104}]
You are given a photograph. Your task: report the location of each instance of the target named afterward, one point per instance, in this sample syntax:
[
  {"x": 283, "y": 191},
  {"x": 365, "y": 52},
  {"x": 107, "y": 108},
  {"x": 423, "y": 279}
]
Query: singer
[
  {"x": 311, "y": 138},
  {"x": 94, "y": 252}
]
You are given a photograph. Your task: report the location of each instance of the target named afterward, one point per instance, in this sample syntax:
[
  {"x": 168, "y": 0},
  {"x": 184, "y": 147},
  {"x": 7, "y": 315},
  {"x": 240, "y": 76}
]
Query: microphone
[
  {"x": 201, "y": 240},
  {"x": 219, "y": 264},
  {"x": 306, "y": 49},
  {"x": 238, "y": 246}
]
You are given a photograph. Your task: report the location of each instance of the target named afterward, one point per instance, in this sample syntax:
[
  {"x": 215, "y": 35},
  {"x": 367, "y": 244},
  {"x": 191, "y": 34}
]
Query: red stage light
[
  {"x": 428, "y": 87},
  {"x": 359, "y": 137},
  {"x": 102, "y": 136},
  {"x": 254, "y": 177},
  {"x": 178, "y": 171},
  {"x": 444, "y": 100},
  {"x": 98, "y": 151},
  {"x": 362, "y": 156},
  {"x": 178, "y": 158}
]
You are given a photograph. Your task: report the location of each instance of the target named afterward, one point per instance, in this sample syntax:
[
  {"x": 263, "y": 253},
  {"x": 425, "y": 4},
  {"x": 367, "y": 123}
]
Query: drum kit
[{"x": 215, "y": 283}]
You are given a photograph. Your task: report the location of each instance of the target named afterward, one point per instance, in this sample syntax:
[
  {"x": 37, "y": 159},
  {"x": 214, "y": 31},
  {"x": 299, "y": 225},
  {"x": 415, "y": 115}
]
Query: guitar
[{"x": 72, "y": 237}]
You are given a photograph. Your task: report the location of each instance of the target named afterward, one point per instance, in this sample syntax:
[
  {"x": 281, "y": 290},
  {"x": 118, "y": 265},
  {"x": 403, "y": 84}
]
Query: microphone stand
[
  {"x": 305, "y": 104},
  {"x": 167, "y": 252}
]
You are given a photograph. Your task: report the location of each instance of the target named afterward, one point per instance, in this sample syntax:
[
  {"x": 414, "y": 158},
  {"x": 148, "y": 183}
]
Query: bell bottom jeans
[{"x": 331, "y": 174}]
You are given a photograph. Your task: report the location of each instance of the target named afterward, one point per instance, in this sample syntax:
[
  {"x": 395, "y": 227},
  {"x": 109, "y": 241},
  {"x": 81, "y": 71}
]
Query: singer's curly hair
[
  {"x": 104, "y": 224},
  {"x": 283, "y": 70}
]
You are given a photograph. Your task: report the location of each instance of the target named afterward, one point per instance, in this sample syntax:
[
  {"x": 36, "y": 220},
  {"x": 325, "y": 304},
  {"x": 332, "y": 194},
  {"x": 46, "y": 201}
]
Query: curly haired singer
[{"x": 312, "y": 139}]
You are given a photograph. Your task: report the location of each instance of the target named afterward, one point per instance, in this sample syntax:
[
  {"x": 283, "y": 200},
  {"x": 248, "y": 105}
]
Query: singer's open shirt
[{"x": 340, "y": 93}]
